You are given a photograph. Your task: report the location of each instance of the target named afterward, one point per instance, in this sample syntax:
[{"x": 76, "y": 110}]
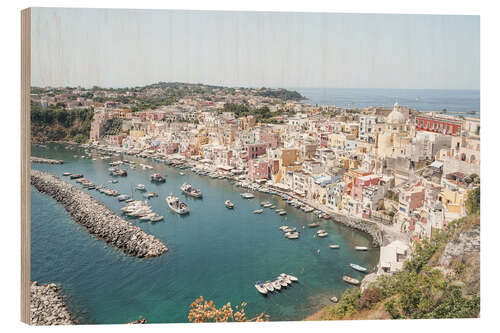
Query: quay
[
  {"x": 47, "y": 305},
  {"x": 99, "y": 220},
  {"x": 34, "y": 159}
]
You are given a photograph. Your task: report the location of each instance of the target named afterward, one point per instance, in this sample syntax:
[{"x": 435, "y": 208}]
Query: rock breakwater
[
  {"x": 368, "y": 227},
  {"x": 34, "y": 159},
  {"x": 99, "y": 220},
  {"x": 47, "y": 305}
]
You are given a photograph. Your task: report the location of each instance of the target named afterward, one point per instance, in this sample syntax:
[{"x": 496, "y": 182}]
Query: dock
[{"x": 34, "y": 159}]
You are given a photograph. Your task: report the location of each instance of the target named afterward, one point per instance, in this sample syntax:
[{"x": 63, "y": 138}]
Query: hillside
[
  {"x": 58, "y": 124},
  {"x": 441, "y": 280}
]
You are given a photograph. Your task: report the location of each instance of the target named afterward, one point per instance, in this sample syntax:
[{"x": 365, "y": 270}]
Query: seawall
[
  {"x": 362, "y": 225},
  {"x": 47, "y": 306},
  {"x": 34, "y": 159},
  {"x": 99, "y": 220}
]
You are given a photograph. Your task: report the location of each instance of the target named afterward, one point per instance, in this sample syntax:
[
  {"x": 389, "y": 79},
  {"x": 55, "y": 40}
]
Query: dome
[{"x": 396, "y": 117}]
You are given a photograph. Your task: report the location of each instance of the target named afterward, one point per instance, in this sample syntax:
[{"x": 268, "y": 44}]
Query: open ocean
[
  {"x": 213, "y": 252},
  {"x": 457, "y": 102}
]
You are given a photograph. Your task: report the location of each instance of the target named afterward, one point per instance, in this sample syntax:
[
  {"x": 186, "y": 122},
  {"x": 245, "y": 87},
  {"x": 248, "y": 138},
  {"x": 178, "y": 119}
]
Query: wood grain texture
[{"x": 25, "y": 163}]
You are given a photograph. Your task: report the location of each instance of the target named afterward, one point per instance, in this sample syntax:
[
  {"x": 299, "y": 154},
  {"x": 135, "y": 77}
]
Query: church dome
[{"x": 396, "y": 117}]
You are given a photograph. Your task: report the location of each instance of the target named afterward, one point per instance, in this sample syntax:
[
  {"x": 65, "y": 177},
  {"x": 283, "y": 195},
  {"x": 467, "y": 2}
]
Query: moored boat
[
  {"x": 247, "y": 195},
  {"x": 350, "y": 280},
  {"x": 258, "y": 211},
  {"x": 358, "y": 268},
  {"x": 67, "y": 174},
  {"x": 276, "y": 285},
  {"x": 157, "y": 178},
  {"x": 140, "y": 187},
  {"x": 261, "y": 288},
  {"x": 176, "y": 205},
  {"x": 313, "y": 225},
  {"x": 269, "y": 286},
  {"x": 361, "y": 248},
  {"x": 189, "y": 190},
  {"x": 229, "y": 204},
  {"x": 334, "y": 246}
]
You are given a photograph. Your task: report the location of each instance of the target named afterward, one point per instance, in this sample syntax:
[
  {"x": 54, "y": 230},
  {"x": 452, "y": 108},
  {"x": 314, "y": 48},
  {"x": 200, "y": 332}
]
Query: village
[{"x": 406, "y": 171}]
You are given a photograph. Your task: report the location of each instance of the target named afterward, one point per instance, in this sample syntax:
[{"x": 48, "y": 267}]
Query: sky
[{"x": 124, "y": 48}]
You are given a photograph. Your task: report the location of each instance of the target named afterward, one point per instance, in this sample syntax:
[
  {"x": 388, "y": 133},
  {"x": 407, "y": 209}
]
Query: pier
[
  {"x": 99, "y": 220},
  {"x": 34, "y": 159}
]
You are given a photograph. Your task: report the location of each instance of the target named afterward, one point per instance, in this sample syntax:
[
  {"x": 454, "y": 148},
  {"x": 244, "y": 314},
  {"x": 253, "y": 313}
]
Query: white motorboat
[
  {"x": 282, "y": 212},
  {"x": 156, "y": 218},
  {"x": 261, "y": 288},
  {"x": 189, "y": 190},
  {"x": 286, "y": 278},
  {"x": 294, "y": 235},
  {"x": 67, "y": 174},
  {"x": 269, "y": 286},
  {"x": 229, "y": 204},
  {"x": 123, "y": 197},
  {"x": 276, "y": 285},
  {"x": 361, "y": 248},
  {"x": 292, "y": 278},
  {"x": 323, "y": 234},
  {"x": 258, "y": 211},
  {"x": 334, "y": 246},
  {"x": 283, "y": 227},
  {"x": 247, "y": 195},
  {"x": 140, "y": 187},
  {"x": 282, "y": 281},
  {"x": 176, "y": 205},
  {"x": 358, "y": 268}
]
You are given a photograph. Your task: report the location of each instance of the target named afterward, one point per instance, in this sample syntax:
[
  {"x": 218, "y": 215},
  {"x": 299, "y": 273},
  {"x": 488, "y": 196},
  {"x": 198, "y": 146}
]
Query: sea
[
  {"x": 456, "y": 102},
  {"x": 213, "y": 252}
]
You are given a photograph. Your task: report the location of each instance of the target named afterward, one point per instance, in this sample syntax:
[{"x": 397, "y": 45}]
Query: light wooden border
[{"x": 25, "y": 163}]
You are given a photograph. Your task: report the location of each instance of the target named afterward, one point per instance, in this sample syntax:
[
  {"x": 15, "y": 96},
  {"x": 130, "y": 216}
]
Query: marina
[{"x": 228, "y": 235}]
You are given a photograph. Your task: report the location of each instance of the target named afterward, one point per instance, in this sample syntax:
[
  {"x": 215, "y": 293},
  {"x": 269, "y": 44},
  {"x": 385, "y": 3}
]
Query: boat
[
  {"x": 189, "y": 190},
  {"x": 361, "y": 248},
  {"x": 150, "y": 195},
  {"x": 229, "y": 204},
  {"x": 323, "y": 234},
  {"x": 258, "y": 211},
  {"x": 358, "y": 268},
  {"x": 123, "y": 197},
  {"x": 276, "y": 285},
  {"x": 289, "y": 277},
  {"x": 334, "y": 299},
  {"x": 282, "y": 281},
  {"x": 261, "y": 288},
  {"x": 283, "y": 227},
  {"x": 247, "y": 195},
  {"x": 181, "y": 173},
  {"x": 76, "y": 176},
  {"x": 176, "y": 205},
  {"x": 140, "y": 187},
  {"x": 294, "y": 235},
  {"x": 334, "y": 246},
  {"x": 156, "y": 218},
  {"x": 350, "y": 280},
  {"x": 67, "y": 174},
  {"x": 282, "y": 212},
  {"x": 113, "y": 181},
  {"x": 286, "y": 278},
  {"x": 120, "y": 172},
  {"x": 308, "y": 209},
  {"x": 157, "y": 178},
  {"x": 313, "y": 225},
  {"x": 269, "y": 286}
]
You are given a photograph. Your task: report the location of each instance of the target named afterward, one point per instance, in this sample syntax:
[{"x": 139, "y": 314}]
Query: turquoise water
[{"x": 213, "y": 252}]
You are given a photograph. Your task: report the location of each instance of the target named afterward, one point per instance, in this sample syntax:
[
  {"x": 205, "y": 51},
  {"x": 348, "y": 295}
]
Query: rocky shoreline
[
  {"x": 99, "y": 220},
  {"x": 47, "y": 306},
  {"x": 365, "y": 226},
  {"x": 34, "y": 159}
]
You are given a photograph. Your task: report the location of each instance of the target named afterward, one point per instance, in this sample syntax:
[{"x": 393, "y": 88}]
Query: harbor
[{"x": 212, "y": 248}]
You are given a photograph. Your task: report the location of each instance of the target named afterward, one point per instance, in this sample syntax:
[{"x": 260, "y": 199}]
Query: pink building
[
  {"x": 256, "y": 150},
  {"x": 362, "y": 182},
  {"x": 258, "y": 169},
  {"x": 116, "y": 140},
  {"x": 271, "y": 139},
  {"x": 169, "y": 148}
]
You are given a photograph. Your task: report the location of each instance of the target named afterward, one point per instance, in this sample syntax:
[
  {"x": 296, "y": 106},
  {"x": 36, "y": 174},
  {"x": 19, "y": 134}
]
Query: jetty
[
  {"x": 47, "y": 305},
  {"x": 42, "y": 160},
  {"x": 98, "y": 219}
]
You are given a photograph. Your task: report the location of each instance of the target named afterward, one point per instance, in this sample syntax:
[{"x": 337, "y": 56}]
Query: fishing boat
[
  {"x": 156, "y": 218},
  {"x": 313, "y": 225},
  {"x": 258, "y": 211},
  {"x": 157, "y": 178},
  {"x": 176, "y": 205},
  {"x": 293, "y": 235},
  {"x": 269, "y": 286},
  {"x": 334, "y": 246},
  {"x": 229, "y": 204},
  {"x": 189, "y": 190},
  {"x": 323, "y": 234},
  {"x": 140, "y": 187},
  {"x": 350, "y": 280},
  {"x": 76, "y": 176},
  {"x": 361, "y": 248},
  {"x": 276, "y": 285},
  {"x": 247, "y": 195},
  {"x": 358, "y": 268},
  {"x": 67, "y": 174},
  {"x": 261, "y": 288},
  {"x": 282, "y": 212}
]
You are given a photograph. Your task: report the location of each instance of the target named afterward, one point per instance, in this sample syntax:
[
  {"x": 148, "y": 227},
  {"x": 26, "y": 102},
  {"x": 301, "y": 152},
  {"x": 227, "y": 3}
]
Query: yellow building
[{"x": 137, "y": 133}]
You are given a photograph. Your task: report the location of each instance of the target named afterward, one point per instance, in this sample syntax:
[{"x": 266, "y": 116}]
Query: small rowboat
[
  {"x": 261, "y": 288},
  {"x": 313, "y": 225},
  {"x": 361, "y": 248},
  {"x": 258, "y": 211},
  {"x": 358, "y": 268},
  {"x": 334, "y": 246},
  {"x": 350, "y": 280}
]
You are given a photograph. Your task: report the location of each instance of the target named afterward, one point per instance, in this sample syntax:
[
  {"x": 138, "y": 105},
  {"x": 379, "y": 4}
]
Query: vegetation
[
  {"x": 57, "y": 123},
  {"x": 203, "y": 311},
  {"x": 419, "y": 290},
  {"x": 280, "y": 93},
  {"x": 113, "y": 126},
  {"x": 262, "y": 115},
  {"x": 473, "y": 201}
]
